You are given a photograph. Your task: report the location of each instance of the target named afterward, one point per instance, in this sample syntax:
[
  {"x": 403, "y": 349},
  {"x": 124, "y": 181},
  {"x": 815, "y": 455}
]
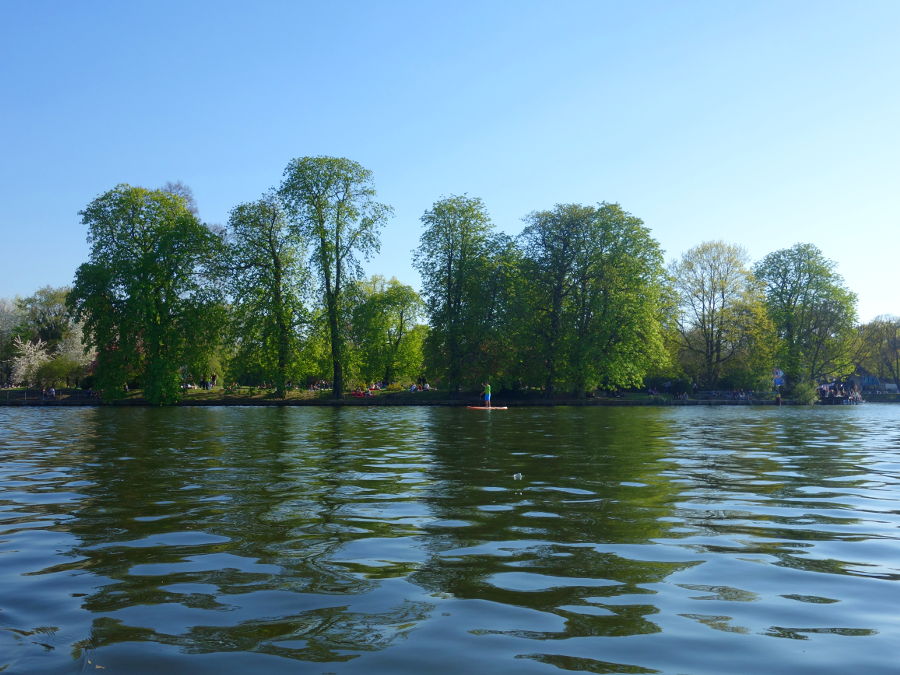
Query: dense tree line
[{"x": 581, "y": 300}]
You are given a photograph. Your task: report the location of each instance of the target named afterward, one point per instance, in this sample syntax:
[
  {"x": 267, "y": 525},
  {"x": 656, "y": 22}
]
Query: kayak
[{"x": 483, "y": 407}]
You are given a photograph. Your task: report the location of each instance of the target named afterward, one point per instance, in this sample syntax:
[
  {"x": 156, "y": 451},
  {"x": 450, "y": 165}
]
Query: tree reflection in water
[{"x": 437, "y": 540}]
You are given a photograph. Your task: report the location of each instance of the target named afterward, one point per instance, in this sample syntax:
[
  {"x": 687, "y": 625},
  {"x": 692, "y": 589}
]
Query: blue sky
[{"x": 761, "y": 123}]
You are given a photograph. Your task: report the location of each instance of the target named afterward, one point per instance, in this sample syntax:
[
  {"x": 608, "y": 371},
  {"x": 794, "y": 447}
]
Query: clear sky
[{"x": 760, "y": 123}]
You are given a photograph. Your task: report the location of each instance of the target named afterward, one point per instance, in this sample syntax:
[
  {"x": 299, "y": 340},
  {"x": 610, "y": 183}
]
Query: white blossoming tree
[
  {"x": 30, "y": 356},
  {"x": 70, "y": 360}
]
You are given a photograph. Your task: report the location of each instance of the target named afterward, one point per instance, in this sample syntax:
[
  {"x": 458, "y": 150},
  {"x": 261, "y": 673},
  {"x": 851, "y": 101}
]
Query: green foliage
[
  {"x": 720, "y": 319},
  {"x": 330, "y": 202},
  {"x": 813, "y": 312},
  {"x": 315, "y": 354},
  {"x": 551, "y": 241},
  {"x": 59, "y": 371},
  {"x": 580, "y": 301},
  {"x": 461, "y": 261},
  {"x": 268, "y": 280},
  {"x": 45, "y": 315},
  {"x": 147, "y": 296},
  {"x": 804, "y": 392},
  {"x": 494, "y": 356},
  {"x": 880, "y": 348},
  {"x": 595, "y": 289},
  {"x": 751, "y": 366},
  {"x": 42, "y": 321},
  {"x": 383, "y": 320}
]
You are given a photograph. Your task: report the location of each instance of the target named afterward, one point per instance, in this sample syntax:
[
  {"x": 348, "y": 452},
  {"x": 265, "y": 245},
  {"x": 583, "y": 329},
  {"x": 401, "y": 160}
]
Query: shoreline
[
  {"x": 388, "y": 402},
  {"x": 73, "y": 398}
]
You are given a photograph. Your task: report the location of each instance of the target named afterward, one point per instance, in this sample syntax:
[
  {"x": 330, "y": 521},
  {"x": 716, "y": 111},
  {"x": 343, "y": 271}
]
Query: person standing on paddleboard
[{"x": 486, "y": 394}]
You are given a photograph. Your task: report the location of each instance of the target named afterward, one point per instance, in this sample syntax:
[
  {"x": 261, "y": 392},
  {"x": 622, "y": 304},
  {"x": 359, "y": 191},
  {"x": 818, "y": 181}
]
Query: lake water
[{"x": 442, "y": 540}]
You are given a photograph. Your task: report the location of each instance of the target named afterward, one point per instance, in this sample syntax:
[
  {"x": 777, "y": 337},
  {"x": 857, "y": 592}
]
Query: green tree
[
  {"x": 751, "y": 366},
  {"x": 148, "y": 298},
  {"x": 56, "y": 372},
  {"x": 493, "y": 311},
  {"x": 331, "y": 203},
  {"x": 267, "y": 282},
  {"x": 813, "y": 312},
  {"x": 718, "y": 308},
  {"x": 550, "y": 242},
  {"x": 45, "y": 315},
  {"x": 616, "y": 304},
  {"x": 880, "y": 339},
  {"x": 384, "y": 320},
  {"x": 597, "y": 289},
  {"x": 456, "y": 260}
]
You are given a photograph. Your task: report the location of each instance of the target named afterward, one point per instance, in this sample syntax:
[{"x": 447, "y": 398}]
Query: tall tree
[
  {"x": 454, "y": 259},
  {"x": 267, "y": 281},
  {"x": 493, "y": 308},
  {"x": 598, "y": 282},
  {"x": 717, "y": 300},
  {"x": 814, "y": 313},
  {"x": 617, "y": 303},
  {"x": 148, "y": 298},
  {"x": 549, "y": 242},
  {"x": 331, "y": 202}
]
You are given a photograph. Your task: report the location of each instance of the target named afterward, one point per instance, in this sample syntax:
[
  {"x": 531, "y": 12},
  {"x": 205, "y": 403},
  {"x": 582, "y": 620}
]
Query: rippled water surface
[{"x": 443, "y": 540}]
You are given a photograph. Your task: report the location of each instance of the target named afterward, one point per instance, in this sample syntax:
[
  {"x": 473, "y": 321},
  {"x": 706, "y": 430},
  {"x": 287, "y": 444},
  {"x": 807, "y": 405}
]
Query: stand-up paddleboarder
[{"x": 486, "y": 394}]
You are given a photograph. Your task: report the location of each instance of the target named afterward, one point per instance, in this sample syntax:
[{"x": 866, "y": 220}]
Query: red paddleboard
[{"x": 482, "y": 407}]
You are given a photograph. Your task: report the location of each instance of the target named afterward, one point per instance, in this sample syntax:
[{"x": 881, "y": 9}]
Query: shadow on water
[{"x": 440, "y": 540}]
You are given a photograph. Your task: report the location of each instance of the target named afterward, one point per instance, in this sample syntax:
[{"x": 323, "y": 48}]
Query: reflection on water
[{"x": 320, "y": 540}]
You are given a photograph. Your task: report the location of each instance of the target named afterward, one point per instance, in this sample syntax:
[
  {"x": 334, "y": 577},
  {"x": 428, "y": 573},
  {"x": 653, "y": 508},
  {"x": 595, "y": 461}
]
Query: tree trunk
[
  {"x": 551, "y": 343},
  {"x": 281, "y": 374}
]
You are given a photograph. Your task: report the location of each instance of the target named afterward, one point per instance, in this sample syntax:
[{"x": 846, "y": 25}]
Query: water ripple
[{"x": 606, "y": 540}]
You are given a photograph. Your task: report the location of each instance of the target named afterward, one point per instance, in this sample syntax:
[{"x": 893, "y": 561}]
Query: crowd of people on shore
[
  {"x": 732, "y": 394},
  {"x": 834, "y": 392}
]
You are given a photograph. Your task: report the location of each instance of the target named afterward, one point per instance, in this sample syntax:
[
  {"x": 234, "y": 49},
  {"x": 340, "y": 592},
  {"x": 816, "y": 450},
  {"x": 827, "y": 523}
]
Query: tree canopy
[
  {"x": 331, "y": 203},
  {"x": 384, "y": 321},
  {"x": 455, "y": 258},
  {"x": 149, "y": 302},
  {"x": 880, "y": 348},
  {"x": 813, "y": 312},
  {"x": 595, "y": 283},
  {"x": 579, "y": 301},
  {"x": 719, "y": 316},
  {"x": 267, "y": 281}
]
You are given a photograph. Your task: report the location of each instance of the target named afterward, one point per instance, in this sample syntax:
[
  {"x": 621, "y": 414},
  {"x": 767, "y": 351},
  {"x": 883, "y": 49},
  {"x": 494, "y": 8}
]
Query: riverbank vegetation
[{"x": 581, "y": 301}]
